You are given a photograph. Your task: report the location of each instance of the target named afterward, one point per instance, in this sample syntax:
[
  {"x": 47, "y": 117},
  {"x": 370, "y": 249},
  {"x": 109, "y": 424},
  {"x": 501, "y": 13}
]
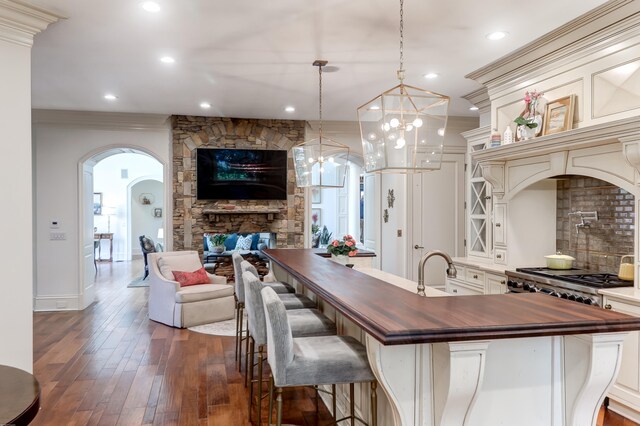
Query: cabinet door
[
  {"x": 500, "y": 224},
  {"x": 457, "y": 288},
  {"x": 629, "y": 375},
  {"x": 496, "y": 284}
]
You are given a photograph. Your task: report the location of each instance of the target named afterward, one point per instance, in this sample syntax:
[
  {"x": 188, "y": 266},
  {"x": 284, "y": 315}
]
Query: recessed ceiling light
[
  {"x": 151, "y": 6},
  {"x": 374, "y": 107},
  {"x": 110, "y": 97},
  {"x": 497, "y": 35},
  {"x": 205, "y": 105},
  {"x": 431, "y": 75},
  {"x": 473, "y": 108},
  {"x": 167, "y": 60},
  {"x": 290, "y": 109}
]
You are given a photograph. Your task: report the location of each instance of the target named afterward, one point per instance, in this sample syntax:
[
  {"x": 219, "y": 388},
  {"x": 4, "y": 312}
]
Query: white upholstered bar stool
[
  {"x": 313, "y": 361},
  {"x": 237, "y": 259},
  {"x": 303, "y": 322}
]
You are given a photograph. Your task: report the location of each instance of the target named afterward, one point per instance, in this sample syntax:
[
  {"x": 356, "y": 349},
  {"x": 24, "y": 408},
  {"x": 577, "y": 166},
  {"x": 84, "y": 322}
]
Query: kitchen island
[{"x": 525, "y": 359}]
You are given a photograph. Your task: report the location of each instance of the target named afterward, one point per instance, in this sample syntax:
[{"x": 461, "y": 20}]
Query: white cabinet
[
  {"x": 624, "y": 396},
  {"x": 495, "y": 284},
  {"x": 473, "y": 280},
  {"x": 478, "y": 202}
]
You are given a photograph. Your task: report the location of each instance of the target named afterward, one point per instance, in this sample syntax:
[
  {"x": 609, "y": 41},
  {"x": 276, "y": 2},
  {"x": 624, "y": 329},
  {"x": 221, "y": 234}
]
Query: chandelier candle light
[
  {"x": 320, "y": 162},
  {"x": 403, "y": 129}
]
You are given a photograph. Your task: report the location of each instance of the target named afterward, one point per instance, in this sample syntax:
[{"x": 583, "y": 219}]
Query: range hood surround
[{"x": 609, "y": 151}]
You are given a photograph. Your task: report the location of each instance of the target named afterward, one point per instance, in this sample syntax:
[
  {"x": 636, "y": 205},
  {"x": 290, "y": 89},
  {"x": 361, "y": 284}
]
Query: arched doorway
[{"x": 106, "y": 178}]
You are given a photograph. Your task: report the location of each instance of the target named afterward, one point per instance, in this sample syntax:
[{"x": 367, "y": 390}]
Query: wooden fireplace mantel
[{"x": 214, "y": 213}]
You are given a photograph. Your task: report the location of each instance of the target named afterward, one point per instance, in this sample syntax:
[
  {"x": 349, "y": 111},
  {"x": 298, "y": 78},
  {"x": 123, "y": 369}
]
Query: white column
[{"x": 18, "y": 24}]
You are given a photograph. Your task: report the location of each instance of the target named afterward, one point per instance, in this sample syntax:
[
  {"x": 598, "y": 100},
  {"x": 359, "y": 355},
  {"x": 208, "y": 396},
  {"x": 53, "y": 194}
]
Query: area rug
[
  {"x": 139, "y": 282},
  {"x": 222, "y": 328}
]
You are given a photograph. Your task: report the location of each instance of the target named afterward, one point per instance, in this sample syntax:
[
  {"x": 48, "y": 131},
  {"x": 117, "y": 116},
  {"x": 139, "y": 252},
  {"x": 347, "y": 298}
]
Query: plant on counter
[
  {"x": 344, "y": 247},
  {"x": 314, "y": 226}
]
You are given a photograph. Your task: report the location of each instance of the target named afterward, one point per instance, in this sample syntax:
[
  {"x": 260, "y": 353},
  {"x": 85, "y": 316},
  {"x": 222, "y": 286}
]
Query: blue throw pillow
[
  {"x": 230, "y": 242},
  {"x": 254, "y": 241}
]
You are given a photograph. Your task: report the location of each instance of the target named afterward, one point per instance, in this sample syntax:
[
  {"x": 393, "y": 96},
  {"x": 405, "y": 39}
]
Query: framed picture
[
  {"x": 558, "y": 116},
  {"x": 316, "y": 195},
  {"x": 97, "y": 203},
  {"x": 316, "y": 216},
  {"x": 157, "y": 212}
]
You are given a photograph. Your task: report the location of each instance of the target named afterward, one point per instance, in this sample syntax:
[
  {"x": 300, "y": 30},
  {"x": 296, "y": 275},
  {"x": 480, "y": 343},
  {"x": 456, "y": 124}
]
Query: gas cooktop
[{"x": 579, "y": 276}]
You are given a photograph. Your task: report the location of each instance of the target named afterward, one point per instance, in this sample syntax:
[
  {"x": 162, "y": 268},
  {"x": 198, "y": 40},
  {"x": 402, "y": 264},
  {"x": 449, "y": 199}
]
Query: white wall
[
  {"x": 108, "y": 180},
  {"x": 16, "y": 220},
  {"x": 20, "y": 22},
  {"x": 531, "y": 224},
  {"x": 143, "y": 221},
  {"x": 393, "y": 248},
  {"x": 62, "y": 141}
]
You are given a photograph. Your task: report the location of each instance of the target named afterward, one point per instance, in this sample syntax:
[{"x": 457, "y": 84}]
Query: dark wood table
[
  {"x": 19, "y": 396},
  {"x": 394, "y": 316}
]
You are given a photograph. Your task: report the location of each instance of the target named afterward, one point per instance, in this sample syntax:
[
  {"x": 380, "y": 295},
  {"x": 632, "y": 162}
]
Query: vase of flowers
[
  {"x": 530, "y": 119},
  {"x": 342, "y": 250}
]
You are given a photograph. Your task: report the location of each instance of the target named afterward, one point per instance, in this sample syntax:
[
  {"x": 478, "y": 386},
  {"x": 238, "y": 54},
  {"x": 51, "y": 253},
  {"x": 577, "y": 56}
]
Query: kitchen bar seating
[
  {"x": 304, "y": 323},
  {"x": 239, "y": 299},
  {"x": 312, "y": 361}
]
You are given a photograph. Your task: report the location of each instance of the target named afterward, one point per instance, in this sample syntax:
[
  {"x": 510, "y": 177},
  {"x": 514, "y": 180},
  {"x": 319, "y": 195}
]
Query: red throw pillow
[{"x": 191, "y": 278}]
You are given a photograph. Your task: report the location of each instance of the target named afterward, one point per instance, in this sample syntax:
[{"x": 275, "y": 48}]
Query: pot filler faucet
[
  {"x": 586, "y": 219},
  {"x": 451, "y": 269}
]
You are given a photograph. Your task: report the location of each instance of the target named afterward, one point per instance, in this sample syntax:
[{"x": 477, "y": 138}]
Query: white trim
[
  {"x": 101, "y": 120},
  {"x": 50, "y": 303},
  {"x": 20, "y": 22}
]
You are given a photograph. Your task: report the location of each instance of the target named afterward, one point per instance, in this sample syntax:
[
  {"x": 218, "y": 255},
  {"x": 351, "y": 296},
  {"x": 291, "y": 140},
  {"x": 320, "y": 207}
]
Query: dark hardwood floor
[{"x": 111, "y": 365}]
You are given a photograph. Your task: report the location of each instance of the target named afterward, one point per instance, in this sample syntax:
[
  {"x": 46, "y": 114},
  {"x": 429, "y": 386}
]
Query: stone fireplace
[{"x": 192, "y": 217}]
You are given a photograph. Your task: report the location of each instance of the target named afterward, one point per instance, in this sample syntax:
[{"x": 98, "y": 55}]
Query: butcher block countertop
[{"x": 395, "y": 316}]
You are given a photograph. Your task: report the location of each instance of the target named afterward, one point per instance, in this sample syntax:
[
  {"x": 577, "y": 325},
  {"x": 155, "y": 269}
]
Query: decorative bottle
[{"x": 507, "y": 137}]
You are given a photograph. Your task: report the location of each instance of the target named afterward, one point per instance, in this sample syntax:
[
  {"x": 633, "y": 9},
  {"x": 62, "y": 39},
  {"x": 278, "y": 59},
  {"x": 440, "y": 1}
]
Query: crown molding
[
  {"x": 475, "y": 134},
  {"x": 101, "y": 120},
  {"x": 20, "y": 22},
  {"x": 479, "y": 98},
  {"x": 602, "y": 27}
]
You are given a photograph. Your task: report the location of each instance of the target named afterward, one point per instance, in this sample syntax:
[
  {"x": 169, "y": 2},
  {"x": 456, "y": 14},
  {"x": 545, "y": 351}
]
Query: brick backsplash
[
  {"x": 599, "y": 246},
  {"x": 189, "y": 221}
]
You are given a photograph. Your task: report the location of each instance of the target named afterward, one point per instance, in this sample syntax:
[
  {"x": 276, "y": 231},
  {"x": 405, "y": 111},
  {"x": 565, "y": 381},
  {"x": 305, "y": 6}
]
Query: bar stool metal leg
[
  {"x": 246, "y": 361},
  {"x": 352, "y": 404},
  {"x": 333, "y": 401},
  {"x": 260, "y": 360},
  {"x": 279, "y": 406},
  {"x": 374, "y": 404},
  {"x": 270, "y": 398},
  {"x": 250, "y": 376}
]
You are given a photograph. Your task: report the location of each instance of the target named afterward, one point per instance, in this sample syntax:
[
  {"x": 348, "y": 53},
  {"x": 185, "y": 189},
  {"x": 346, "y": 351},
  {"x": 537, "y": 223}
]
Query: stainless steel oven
[{"x": 572, "y": 284}]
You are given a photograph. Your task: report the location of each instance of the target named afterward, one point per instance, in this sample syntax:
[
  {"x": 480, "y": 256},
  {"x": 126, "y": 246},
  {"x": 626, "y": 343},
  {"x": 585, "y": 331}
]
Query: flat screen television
[{"x": 241, "y": 174}]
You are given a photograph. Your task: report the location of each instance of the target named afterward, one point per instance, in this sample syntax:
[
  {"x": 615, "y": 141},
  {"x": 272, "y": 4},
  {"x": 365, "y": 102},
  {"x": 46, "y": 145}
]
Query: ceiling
[{"x": 252, "y": 58}]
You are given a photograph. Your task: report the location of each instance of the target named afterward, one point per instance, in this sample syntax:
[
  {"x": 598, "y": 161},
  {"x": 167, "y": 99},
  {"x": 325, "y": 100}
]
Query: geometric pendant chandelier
[
  {"x": 320, "y": 162},
  {"x": 402, "y": 129}
]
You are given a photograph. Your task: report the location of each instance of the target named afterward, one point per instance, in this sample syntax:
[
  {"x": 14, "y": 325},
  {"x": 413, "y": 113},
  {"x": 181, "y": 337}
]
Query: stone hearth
[{"x": 285, "y": 218}]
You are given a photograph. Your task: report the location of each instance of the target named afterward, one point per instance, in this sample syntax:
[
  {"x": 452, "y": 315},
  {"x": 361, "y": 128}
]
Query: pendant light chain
[
  {"x": 401, "y": 70},
  {"x": 320, "y": 99}
]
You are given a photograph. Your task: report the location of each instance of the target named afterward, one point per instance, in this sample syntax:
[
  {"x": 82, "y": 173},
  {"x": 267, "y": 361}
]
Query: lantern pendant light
[
  {"x": 402, "y": 129},
  {"x": 320, "y": 162}
]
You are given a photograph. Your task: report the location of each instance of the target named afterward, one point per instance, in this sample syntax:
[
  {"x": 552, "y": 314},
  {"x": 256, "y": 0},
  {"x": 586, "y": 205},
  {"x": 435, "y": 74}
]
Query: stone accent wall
[
  {"x": 600, "y": 246},
  {"x": 189, "y": 222}
]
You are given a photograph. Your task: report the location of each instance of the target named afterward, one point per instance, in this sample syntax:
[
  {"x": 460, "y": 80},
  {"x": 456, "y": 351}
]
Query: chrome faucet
[{"x": 451, "y": 269}]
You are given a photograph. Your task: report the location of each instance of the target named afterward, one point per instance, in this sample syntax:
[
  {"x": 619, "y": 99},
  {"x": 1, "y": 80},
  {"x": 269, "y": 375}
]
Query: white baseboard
[
  {"x": 56, "y": 303},
  {"x": 624, "y": 410}
]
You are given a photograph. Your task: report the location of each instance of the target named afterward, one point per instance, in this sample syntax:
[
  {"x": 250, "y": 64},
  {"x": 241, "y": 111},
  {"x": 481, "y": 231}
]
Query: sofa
[
  {"x": 259, "y": 241},
  {"x": 189, "y": 305}
]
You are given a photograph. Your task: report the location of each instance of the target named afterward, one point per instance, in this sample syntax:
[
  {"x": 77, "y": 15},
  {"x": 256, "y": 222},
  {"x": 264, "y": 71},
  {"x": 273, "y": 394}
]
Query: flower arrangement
[
  {"x": 527, "y": 116},
  {"x": 346, "y": 246}
]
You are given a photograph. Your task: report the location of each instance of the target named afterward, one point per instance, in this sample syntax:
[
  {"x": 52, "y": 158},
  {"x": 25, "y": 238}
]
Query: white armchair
[{"x": 186, "y": 306}]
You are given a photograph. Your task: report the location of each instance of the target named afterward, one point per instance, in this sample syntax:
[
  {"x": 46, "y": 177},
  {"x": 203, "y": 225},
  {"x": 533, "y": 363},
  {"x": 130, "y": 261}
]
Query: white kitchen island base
[
  {"x": 511, "y": 360},
  {"x": 539, "y": 381}
]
